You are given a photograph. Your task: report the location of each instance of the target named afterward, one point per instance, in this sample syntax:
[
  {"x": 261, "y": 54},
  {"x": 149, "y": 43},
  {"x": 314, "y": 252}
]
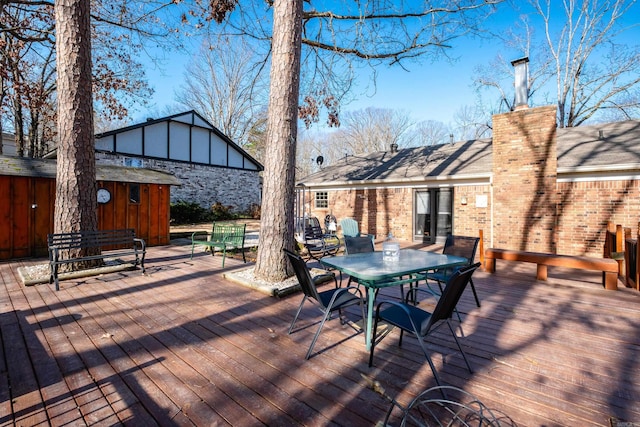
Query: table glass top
[{"x": 371, "y": 267}]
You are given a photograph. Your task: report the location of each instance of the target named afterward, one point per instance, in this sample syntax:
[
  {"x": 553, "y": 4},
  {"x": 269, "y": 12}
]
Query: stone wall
[{"x": 204, "y": 184}]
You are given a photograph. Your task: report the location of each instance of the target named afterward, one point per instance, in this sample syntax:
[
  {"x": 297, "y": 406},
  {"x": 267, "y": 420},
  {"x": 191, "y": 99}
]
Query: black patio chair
[
  {"x": 317, "y": 243},
  {"x": 461, "y": 246},
  {"x": 358, "y": 245},
  {"x": 328, "y": 301},
  {"x": 408, "y": 317}
]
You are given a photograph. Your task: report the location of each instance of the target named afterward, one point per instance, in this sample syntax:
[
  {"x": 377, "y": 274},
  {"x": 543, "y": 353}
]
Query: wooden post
[
  {"x": 607, "y": 239},
  {"x": 619, "y": 249},
  {"x": 481, "y": 234},
  {"x": 627, "y": 279},
  {"x": 638, "y": 261}
]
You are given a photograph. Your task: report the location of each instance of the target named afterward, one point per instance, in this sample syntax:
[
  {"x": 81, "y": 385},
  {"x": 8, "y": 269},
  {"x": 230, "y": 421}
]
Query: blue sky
[{"x": 431, "y": 90}]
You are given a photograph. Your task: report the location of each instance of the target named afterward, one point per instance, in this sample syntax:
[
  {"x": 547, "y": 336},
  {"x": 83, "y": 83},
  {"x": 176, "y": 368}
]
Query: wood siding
[{"x": 26, "y": 214}]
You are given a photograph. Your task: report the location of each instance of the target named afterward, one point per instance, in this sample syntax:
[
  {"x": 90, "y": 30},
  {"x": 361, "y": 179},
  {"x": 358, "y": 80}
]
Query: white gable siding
[
  {"x": 179, "y": 136},
  {"x": 130, "y": 142},
  {"x": 235, "y": 158},
  {"x": 199, "y": 145},
  {"x": 105, "y": 143},
  {"x": 155, "y": 140},
  {"x": 218, "y": 151}
]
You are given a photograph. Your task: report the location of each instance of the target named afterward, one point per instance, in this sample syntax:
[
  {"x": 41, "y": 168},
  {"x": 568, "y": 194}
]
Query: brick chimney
[{"x": 525, "y": 165}]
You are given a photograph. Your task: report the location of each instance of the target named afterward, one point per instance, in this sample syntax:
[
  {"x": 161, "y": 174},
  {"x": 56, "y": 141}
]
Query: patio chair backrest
[
  {"x": 312, "y": 229},
  {"x": 303, "y": 275},
  {"x": 350, "y": 227},
  {"x": 450, "y": 296},
  {"x": 462, "y": 246},
  {"x": 358, "y": 245}
]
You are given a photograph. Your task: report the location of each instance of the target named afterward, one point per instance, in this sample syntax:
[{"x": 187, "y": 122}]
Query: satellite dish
[{"x": 319, "y": 160}]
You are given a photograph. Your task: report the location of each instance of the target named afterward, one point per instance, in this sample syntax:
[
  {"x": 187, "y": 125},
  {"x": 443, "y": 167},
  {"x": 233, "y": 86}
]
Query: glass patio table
[{"x": 374, "y": 273}]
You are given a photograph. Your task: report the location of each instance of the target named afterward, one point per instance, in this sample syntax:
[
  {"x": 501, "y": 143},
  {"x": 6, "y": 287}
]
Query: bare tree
[
  {"x": 431, "y": 132},
  {"x": 374, "y": 129},
  {"x": 581, "y": 50},
  {"x": 224, "y": 83},
  {"x": 27, "y": 47},
  {"x": 585, "y": 84},
  {"x": 75, "y": 203},
  {"x": 471, "y": 122}
]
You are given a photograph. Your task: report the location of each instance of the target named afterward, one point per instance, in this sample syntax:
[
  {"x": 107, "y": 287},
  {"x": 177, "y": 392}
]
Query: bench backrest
[
  {"x": 632, "y": 262},
  {"x": 232, "y": 234},
  {"x": 105, "y": 239}
]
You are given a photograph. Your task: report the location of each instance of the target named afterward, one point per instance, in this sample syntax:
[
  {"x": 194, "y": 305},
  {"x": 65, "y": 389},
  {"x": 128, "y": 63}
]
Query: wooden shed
[{"x": 134, "y": 198}]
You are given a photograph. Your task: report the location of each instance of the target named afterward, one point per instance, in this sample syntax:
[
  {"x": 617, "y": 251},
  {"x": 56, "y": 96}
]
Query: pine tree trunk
[
  {"x": 277, "y": 221},
  {"x": 76, "y": 202}
]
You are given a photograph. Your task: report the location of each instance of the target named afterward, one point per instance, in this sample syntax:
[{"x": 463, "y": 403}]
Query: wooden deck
[{"x": 183, "y": 346}]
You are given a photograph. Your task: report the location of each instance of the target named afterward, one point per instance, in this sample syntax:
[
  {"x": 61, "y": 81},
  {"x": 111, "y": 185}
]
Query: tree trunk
[
  {"x": 277, "y": 217},
  {"x": 76, "y": 200}
]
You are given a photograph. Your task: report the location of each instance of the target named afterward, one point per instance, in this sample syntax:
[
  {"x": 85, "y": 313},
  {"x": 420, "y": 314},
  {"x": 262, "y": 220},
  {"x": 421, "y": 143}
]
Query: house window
[
  {"x": 134, "y": 193},
  {"x": 132, "y": 162},
  {"x": 322, "y": 199}
]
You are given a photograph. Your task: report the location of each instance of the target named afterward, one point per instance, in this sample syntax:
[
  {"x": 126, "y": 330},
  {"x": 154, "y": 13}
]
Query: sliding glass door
[{"x": 433, "y": 214}]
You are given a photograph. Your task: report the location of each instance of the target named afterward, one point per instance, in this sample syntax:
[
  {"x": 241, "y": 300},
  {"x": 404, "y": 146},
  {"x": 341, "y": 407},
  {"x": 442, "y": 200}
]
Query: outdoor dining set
[{"x": 440, "y": 276}]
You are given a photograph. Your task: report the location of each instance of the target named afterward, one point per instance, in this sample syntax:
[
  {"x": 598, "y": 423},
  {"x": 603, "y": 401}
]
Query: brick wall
[
  {"x": 203, "y": 184},
  {"x": 524, "y": 179},
  {"x": 378, "y": 211},
  {"x": 384, "y": 210},
  {"x": 471, "y": 217},
  {"x": 585, "y": 209}
]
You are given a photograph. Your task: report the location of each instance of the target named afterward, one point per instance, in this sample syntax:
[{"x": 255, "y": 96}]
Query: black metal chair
[
  {"x": 328, "y": 301},
  {"x": 407, "y": 317},
  {"x": 317, "y": 243},
  {"x": 358, "y": 245},
  {"x": 461, "y": 246}
]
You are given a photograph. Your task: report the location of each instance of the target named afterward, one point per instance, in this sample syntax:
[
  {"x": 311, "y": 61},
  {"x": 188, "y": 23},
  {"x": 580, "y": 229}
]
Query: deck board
[{"x": 182, "y": 346}]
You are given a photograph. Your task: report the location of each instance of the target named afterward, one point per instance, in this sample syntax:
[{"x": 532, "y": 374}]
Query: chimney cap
[{"x": 520, "y": 61}]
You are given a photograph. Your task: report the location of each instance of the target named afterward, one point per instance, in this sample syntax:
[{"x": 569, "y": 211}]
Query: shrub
[
  {"x": 188, "y": 213},
  {"x": 222, "y": 212}
]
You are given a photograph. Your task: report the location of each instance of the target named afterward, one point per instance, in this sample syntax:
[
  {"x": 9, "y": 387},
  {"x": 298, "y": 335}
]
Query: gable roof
[
  {"x": 198, "y": 142},
  {"x": 607, "y": 147}
]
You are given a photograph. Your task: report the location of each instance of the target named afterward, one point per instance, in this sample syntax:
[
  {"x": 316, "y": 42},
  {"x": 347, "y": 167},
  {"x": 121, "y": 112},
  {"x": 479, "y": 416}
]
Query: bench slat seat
[
  {"x": 608, "y": 266},
  {"x": 122, "y": 242}
]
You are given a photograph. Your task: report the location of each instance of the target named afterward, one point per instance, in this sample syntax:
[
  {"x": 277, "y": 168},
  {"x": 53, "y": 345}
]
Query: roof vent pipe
[
  {"x": 521, "y": 72},
  {"x": 600, "y": 134},
  {"x": 394, "y": 147}
]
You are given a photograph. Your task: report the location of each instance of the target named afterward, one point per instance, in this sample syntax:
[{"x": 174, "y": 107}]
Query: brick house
[
  {"x": 211, "y": 167},
  {"x": 531, "y": 186}
]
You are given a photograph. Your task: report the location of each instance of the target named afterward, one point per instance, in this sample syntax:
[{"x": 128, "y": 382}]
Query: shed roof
[
  {"x": 605, "y": 147},
  {"x": 41, "y": 168}
]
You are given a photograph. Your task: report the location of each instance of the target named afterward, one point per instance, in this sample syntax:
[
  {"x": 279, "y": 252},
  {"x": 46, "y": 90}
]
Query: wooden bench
[
  {"x": 118, "y": 242},
  {"x": 609, "y": 267},
  {"x": 223, "y": 236}
]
